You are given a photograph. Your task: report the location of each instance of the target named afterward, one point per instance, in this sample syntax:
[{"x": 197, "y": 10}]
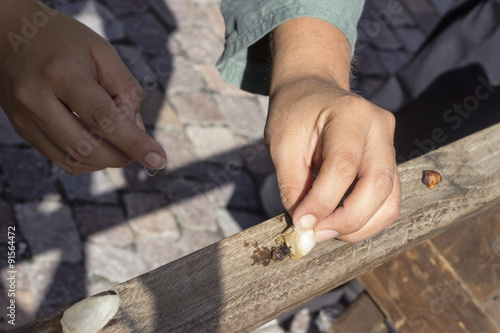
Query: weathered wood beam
[{"x": 232, "y": 286}]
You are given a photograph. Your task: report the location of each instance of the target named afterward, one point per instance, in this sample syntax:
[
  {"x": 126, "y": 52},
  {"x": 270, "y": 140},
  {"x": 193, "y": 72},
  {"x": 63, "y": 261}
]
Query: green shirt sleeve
[{"x": 246, "y": 59}]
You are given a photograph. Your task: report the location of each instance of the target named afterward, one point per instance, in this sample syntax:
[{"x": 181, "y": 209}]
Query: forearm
[{"x": 309, "y": 47}]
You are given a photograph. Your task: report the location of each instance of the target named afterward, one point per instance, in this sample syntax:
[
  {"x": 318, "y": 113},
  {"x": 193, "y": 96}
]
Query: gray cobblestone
[
  {"x": 53, "y": 220},
  {"x": 149, "y": 214},
  {"x": 114, "y": 264},
  {"x": 147, "y": 32},
  {"x": 231, "y": 221},
  {"x": 96, "y": 187},
  {"x": 155, "y": 252},
  {"x": 103, "y": 224},
  {"x": 393, "y": 61},
  {"x": 214, "y": 143},
  {"x": 196, "y": 213},
  {"x": 412, "y": 38},
  {"x": 197, "y": 108},
  {"x": 97, "y": 17},
  {"x": 8, "y": 135},
  {"x": 124, "y": 7},
  {"x": 186, "y": 13},
  {"x": 242, "y": 114},
  {"x": 184, "y": 77},
  {"x": 179, "y": 150},
  {"x": 193, "y": 240},
  {"x": 57, "y": 284},
  {"x": 200, "y": 45},
  {"x": 27, "y": 172}
]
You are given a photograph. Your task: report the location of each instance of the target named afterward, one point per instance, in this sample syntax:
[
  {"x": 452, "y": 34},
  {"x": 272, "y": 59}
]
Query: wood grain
[{"x": 231, "y": 286}]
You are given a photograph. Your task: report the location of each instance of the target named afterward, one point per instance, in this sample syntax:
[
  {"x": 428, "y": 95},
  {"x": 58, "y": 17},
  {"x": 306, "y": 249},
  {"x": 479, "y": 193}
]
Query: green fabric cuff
[{"x": 246, "y": 60}]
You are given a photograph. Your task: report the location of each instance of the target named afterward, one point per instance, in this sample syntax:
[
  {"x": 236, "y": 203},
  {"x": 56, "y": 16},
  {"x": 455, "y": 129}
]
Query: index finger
[
  {"x": 342, "y": 150},
  {"x": 98, "y": 111}
]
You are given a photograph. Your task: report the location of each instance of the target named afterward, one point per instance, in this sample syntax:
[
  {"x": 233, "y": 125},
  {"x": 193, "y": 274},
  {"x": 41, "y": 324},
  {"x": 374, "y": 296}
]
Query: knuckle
[
  {"x": 102, "y": 119},
  {"x": 346, "y": 164},
  {"x": 54, "y": 70},
  {"x": 384, "y": 183}
]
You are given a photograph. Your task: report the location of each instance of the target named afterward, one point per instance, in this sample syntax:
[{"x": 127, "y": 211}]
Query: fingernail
[
  {"x": 326, "y": 234},
  {"x": 139, "y": 122},
  {"x": 155, "y": 161},
  {"x": 307, "y": 222}
]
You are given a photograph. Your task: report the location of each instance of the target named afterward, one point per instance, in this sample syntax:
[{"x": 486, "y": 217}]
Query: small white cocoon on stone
[{"x": 91, "y": 314}]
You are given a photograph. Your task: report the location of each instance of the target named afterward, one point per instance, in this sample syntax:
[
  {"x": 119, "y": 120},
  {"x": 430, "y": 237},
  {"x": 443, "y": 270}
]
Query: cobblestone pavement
[{"x": 77, "y": 236}]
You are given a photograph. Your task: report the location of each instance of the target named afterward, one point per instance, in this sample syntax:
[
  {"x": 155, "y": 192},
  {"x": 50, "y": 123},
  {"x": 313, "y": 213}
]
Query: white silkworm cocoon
[
  {"x": 294, "y": 242},
  {"x": 90, "y": 314}
]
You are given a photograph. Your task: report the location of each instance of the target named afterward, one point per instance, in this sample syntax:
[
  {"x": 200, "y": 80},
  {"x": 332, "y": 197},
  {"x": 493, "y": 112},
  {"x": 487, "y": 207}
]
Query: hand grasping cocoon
[{"x": 327, "y": 143}]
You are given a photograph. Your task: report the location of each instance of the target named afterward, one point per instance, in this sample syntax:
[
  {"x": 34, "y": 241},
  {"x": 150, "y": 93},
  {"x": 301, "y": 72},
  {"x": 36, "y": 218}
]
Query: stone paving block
[
  {"x": 183, "y": 77},
  {"x": 156, "y": 252},
  {"x": 22, "y": 273},
  {"x": 421, "y": 6},
  {"x": 96, "y": 287},
  {"x": 50, "y": 230},
  {"x": 215, "y": 83},
  {"x": 150, "y": 215},
  {"x": 256, "y": 158},
  {"x": 232, "y": 221},
  {"x": 137, "y": 64},
  {"x": 213, "y": 17},
  {"x": 369, "y": 63},
  {"x": 217, "y": 144},
  {"x": 369, "y": 85},
  {"x": 103, "y": 224},
  {"x": 124, "y": 7},
  {"x": 264, "y": 104},
  {"x": 164, "y": 12},
  {"x": 97, "y": 17},
  {"x": 146, "y": 32},
  {"x": 5, "y": 221},
  {"x": 386, "y": 13},
  {"x": 231, "y": 187},
  {"x": 395, "y": 60},
  {"x": 381, "y": 37},
  {"x": 177, "y": 146},
  {"x": 162, "y": 66},
  {"x": 443, "y": 6},
  {"x": 27, "y": 172},
  {"x": 196, "y": 212},
  {"x": 412, "y": 38},
  {"x": 185, "y": 12},
  {"x": 57, "y": 284},
  {"x": 242, "y": 114},
  {"x": 197, "y": 108},
  {"x": 152, "y": 102},
  {"x": 193, "y": 240},
  {"x": 8, "y": 135},
  {"x": 201, "y": 45},
  {"x": 94, "y": 187},
  {"x": 167, "y": 118},
  {"x": 25, "y": 311},
  {"x": 427, "y": 22},
  {"x": 114, "y": 264}
]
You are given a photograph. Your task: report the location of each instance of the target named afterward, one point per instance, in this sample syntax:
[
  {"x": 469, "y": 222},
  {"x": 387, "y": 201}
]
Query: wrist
[{"x": 305, "y": 48}]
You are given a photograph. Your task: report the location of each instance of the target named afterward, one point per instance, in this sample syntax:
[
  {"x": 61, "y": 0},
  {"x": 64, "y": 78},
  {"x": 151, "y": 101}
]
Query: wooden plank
[
  {"x": 473, "y": 251},
  {"x": 231, "y": 286},
  {"x": 360, "y": 317},
  {"x": 419, "y": 292}
]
